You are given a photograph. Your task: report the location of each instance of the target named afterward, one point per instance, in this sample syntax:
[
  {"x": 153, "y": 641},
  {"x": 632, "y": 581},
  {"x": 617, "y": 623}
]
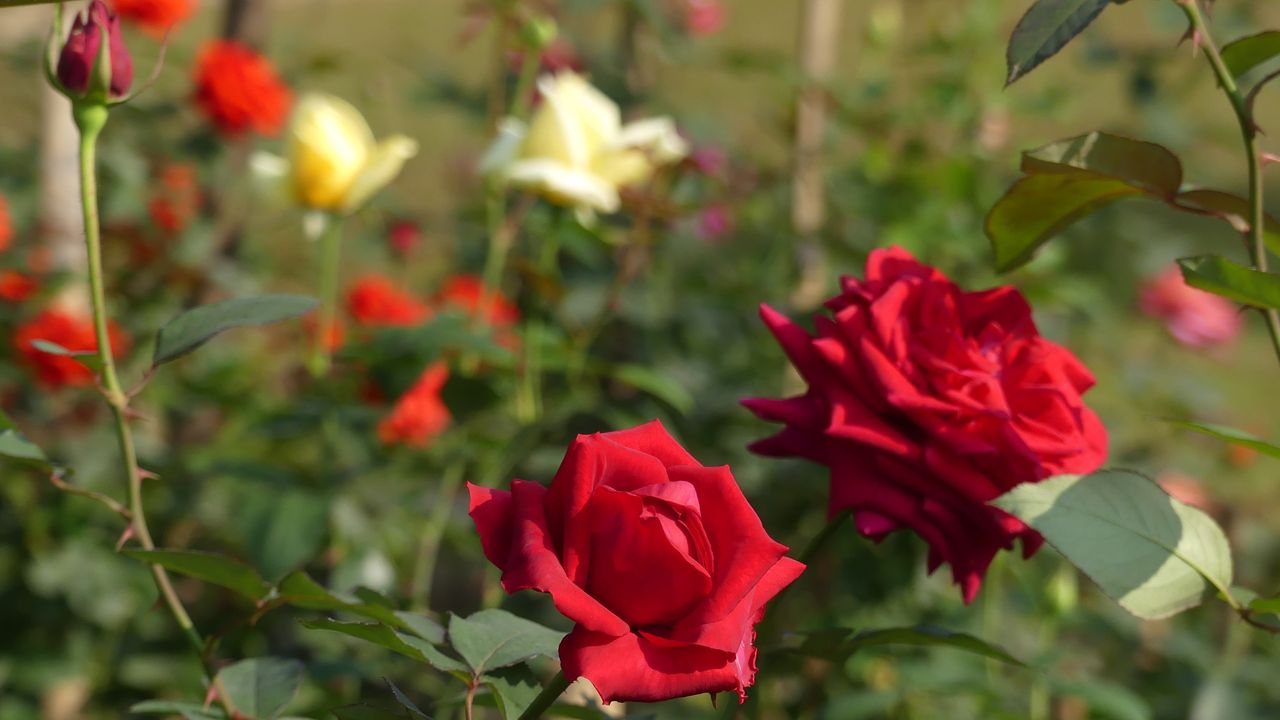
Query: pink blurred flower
[
  {"x": 704, "y": 17},
  {"x": 1194, "y": 317},
  {"x": 1185, "y": 489},
  {"x": 709, "y": 160},
  {"x": 715, "y": 222}
]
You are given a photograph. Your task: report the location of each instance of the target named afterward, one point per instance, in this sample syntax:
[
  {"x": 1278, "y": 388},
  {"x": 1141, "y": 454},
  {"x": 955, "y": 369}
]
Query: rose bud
[{"x": 78, "y": 64}]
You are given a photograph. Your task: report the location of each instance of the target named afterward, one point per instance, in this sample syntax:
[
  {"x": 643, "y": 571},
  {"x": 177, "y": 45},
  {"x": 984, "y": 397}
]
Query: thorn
[
  {"x": 210, "y": 696},
  {"x": 1270, "y": 158},
  {"x": 147, "y": 474},
  {"x": 125, "y": 537}
]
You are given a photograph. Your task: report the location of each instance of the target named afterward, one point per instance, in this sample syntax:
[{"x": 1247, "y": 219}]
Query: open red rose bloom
[
  {"x": 926, "y": 402},
  {"x": 661, "y": 562}
]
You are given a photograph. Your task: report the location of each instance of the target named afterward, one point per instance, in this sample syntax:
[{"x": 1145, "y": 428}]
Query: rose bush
[
  {"x": 660, "y": 561},
  {"x": 926, "y": 401}
]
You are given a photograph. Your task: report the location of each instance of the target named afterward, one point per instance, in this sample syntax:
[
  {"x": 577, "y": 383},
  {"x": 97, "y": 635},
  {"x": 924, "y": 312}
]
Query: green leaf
[
  {"x": 209, "y": 567},
  {"x": 407, "y": 645},
  {"x": 1231, "y": 435},
  {"x": 13, "y": 446},
  {"x": 656, "y": 384},
  {"x": 88, "y": 358},
  {"x": 261, "y": 688},
  {"x": 299, "y": 590},
  {"x": 837, "y": 644},
  {"x": 1245, "y": 54},
  {"x": 1145, "y": 165},
  {"x": 1220, "y": 276},
  {"x": 405, "y": 702},
  {"x": 1149, "y": 552},
  {"x": 1265, "y": 605},
  {"x": 188, "y": 710},
  {"x": 1039, "y": 207},
  {"x": 423, "y": 626},
  {"x": 492, "y": 639},
  {"x": 197, "y": 326},
  {"x": 515, "y": 689},
  {"x": 1047, "y": 28},
  {"x": 1232, "y": 208}
]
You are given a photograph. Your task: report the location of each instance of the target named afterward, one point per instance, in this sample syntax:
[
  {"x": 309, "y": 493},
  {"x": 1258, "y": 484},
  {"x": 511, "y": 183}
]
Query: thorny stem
[
  {"x": 90, "y": 119},
  {"x": 1256, "y": 244}
]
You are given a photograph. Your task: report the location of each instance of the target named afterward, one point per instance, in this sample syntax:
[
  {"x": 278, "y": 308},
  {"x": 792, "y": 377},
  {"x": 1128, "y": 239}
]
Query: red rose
[
  {"x": 375, "y": 301},
  {"x": 238, "y": 89},
  {"x": 661, "y": 562},
  {"x": 926, "y": 402},
  {"x": 704, "y": 17},
  {"x": 73, "y": 333},
  {"x": 156, "y": 17},
  {"x": 419, "y": 415}
]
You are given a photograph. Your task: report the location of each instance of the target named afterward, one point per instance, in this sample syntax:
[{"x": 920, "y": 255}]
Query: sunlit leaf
[
  {"x": 1145, "y": 165},
  {"x": 1231, "y": 435},
  {"x": 1245, "y": 54},
  {"x": 1220, "y": 276},
  {"x": 1039, "y": 207},
  {"x": 1149, "y": 552}
]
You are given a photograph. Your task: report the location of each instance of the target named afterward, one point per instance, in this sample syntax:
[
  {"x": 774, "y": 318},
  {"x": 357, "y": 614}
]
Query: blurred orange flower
[
  {"x": 420, "y": 414},
  {"x": 16, "y": 287},
  {"x": 467, "y": 293},
  {"x": 70, "y": 332},
  {"x": 375, "y": 301},
  {"x": 175, "y": 202},
  {"x": 6, "y": 225},
  {"x": 239, "y": 90},
  {"x": 155, "y": 17}
]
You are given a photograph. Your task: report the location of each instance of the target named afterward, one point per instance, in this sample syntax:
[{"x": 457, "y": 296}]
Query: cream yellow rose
[
  {"x": 575, "y": 150},
  {"x": 332, "y": 161}
]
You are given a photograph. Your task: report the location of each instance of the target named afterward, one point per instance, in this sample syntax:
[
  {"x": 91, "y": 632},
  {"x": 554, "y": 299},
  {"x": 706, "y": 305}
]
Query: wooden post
[{"x": 817, "y": 48}]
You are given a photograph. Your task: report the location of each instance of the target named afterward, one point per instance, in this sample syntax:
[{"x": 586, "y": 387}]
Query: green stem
[
  {"x": 330, "y": 268},
  {"x": 1256, "y": 244},
  {"x": 90, "y": 119},
  {"x": 432, "y": 533},
  {"x": 550, "y": 693}
]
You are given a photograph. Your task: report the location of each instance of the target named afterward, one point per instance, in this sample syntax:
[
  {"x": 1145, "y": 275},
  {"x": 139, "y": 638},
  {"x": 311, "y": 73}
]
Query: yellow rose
[
  {"x": 332, "y": 162},
  {"x": 576, "y": 151}
]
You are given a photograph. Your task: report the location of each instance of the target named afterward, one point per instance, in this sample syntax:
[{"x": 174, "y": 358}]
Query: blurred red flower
[
  {"x": 1194, "y": 317},
  {"x": 16, "y": 287},
  {"x": 419, "y": 415},
  {"x": 375, "y": 301},
  {"x": 704, "y": 17},
  {"x": 467, "y": 294},
  {"x": 239, "y": 90},
  {"x": 333, "y": 339},
  {"x": 70, "y": 332},
  {"x": 404, "y": 236},
  {"x": 6, "y": 225},
  {"x": 176, "y": 199},
  {"x": 155, "y": 17}
]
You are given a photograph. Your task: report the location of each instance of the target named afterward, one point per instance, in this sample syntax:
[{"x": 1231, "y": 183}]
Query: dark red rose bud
[
  {"x": 79, "y": 58},
  {"x": 404, "y": 236}
]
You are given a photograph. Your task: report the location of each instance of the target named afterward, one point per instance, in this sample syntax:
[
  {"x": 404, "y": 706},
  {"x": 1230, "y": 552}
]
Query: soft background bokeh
[{"x": 923, "y": 139}]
